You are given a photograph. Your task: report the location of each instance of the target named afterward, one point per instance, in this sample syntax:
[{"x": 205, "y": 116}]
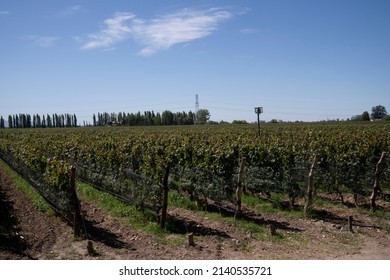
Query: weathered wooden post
[
  {"x": 190, "y": 237},
  {"x": 77, "y": 214},
  {"x": 272, "y": 229},
  {"x": 376, "y": 188},
  {"x": 309, "y": 193},
  {"x": 90, "y": 249},
  {"x": 239, "y": 187},
  {"x": 350, "y": 220},
  {"x": 165, "y": 189}
]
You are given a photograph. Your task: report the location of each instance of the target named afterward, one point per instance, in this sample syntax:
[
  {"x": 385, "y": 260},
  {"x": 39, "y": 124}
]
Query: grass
[
  {"x": 259, "y": 232},
  {"x": 132, "y": 216},
  {"x": 175, "y": 199},
  {"x": 115, "y": 207},
  {"x": 26, "y": 188},
  {"x": 381, "y": 218},
  {"x": 277, "y": 204}
]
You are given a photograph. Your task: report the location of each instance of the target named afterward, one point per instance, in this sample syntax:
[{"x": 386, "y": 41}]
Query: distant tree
[
  {"x": 202, "y": 116},
  {"x": 2, "y": 122},
  {"x": 365, "y": 116},
  {"x": 48, "y": 121},
  {"x": 378, "y": 112},
  {"x": 43, "y": 121},
  {"x": 191, "y": 117},
  {"x": 167, "y": 118},
  {"x": 158, "y": 120},
  {"x": 357, "y": 118},
  {"x": 16, "y": 121},
  {"x": 10, "y": 121},
  {"x": 239, "y": 122},
  {"x": 38, "y": 120}
]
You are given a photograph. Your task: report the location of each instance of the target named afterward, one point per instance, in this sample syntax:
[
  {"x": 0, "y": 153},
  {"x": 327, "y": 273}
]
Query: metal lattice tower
[{"x": 196, "y": 103}]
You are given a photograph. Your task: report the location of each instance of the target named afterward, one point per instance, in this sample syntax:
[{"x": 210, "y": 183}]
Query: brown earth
[{"x": 27, "y": 233}]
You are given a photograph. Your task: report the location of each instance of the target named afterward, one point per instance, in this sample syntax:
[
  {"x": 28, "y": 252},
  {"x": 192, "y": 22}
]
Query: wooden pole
[
  {"x": 376, "y": 188},
  {"x": 272, "y": 229},
  {"x": 309, "y": 194},
  {"x": 165, "y": 198},
  {"x": 190, "y": 237},
  {"x": 239, "y": 187},
  {"x": 77, "y": 214},
  {"x": 350, "y": 220}
]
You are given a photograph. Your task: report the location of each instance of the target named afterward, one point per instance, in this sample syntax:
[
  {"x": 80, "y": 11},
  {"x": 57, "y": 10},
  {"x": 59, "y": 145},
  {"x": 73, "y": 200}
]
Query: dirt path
[{"x": 27, "y": 233}]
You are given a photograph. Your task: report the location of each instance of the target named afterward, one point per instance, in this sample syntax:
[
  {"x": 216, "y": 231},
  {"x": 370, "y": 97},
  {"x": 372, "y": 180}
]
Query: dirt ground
[{"x": 30, "y": 234}]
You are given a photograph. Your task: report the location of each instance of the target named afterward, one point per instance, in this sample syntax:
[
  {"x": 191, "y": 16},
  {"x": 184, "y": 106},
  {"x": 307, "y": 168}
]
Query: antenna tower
[{"x": 196, "y": 103}]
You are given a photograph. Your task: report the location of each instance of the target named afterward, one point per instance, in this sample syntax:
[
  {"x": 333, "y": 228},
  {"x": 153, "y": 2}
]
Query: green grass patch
[
  {"x": 277, "y": 204},
  {"x": 117, "y": 208},
  {"x": 25, "y": 187},
  {"x": 178, "y": 200},
  {"x": 381, "y": 218},
  {"x": 258, "y": 232},
  {"x": 137, "y": 219}
]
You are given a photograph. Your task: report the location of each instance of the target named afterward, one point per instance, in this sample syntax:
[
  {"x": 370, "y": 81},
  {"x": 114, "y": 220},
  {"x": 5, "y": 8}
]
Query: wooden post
[
  {"x": 272, "y": 229},
  {"x": 77, "y": 214},
  {"x": 350, "y": 220},
  {"x": 164, "y": 207},
  {"x": 91, "y": 251},
  {"x": 239, "y": 187},
  {"x": 190, "y": 237},
  {"x": 309, "y": 194},
  {"x": 376, "y": 188}
]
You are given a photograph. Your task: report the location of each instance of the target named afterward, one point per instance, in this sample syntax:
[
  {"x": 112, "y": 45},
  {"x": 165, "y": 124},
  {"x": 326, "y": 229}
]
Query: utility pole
[{"x": 258, "y": 111}]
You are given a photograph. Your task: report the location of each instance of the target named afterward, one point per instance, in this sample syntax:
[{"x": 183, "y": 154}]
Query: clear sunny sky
[{"x": 301, "y": 60}]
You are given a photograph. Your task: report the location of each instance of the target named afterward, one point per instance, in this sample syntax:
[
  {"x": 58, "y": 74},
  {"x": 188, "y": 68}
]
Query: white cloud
[
  {"x": 181, "y": 27},
  {"x": 115, "y": 31},
  {"x": 160, "y": 33},
  {"x": 3, "y": 13},
  {"x": 43, "y": 41}
]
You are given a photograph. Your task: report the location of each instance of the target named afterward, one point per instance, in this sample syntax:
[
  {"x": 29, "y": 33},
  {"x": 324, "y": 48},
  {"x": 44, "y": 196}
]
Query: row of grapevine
[
  {"x": 203, "y": 161},
  {"x": 53, "y": 179}
]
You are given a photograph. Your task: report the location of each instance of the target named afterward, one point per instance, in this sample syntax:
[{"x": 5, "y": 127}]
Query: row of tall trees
[
  {"x": 36, "y": 120},
  {"x": 148, "y": 118}
]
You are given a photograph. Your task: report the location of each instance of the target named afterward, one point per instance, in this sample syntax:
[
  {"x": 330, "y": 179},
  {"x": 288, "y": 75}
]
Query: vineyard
[{"x": 218, "y": 168}]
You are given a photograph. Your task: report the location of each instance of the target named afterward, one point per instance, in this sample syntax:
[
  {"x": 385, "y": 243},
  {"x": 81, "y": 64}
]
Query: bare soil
[{"x": 27, "y": 233}]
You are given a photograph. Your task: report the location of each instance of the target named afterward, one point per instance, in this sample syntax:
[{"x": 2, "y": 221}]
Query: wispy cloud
[
  {"x": 181, "y": 27},
  {"x": 43, "y": 41},
  {"x": 3, "y": 13},
  {"x": 114, "y": 31},
  {"x": 160, "y": 33},
  {"x": 70, "y": 11},
  {"x": 248, "y": 31}
]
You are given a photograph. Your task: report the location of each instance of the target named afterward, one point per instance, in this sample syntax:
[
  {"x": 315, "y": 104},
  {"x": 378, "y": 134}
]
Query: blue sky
[{"x": 300, "y": 60}]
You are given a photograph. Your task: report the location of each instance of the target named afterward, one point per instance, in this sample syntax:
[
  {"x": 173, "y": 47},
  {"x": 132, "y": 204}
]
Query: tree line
[
  {"x": 148, "y": 118},
  {"x": 377, "y": 113},
  {"x": 39, "y": 121}
]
